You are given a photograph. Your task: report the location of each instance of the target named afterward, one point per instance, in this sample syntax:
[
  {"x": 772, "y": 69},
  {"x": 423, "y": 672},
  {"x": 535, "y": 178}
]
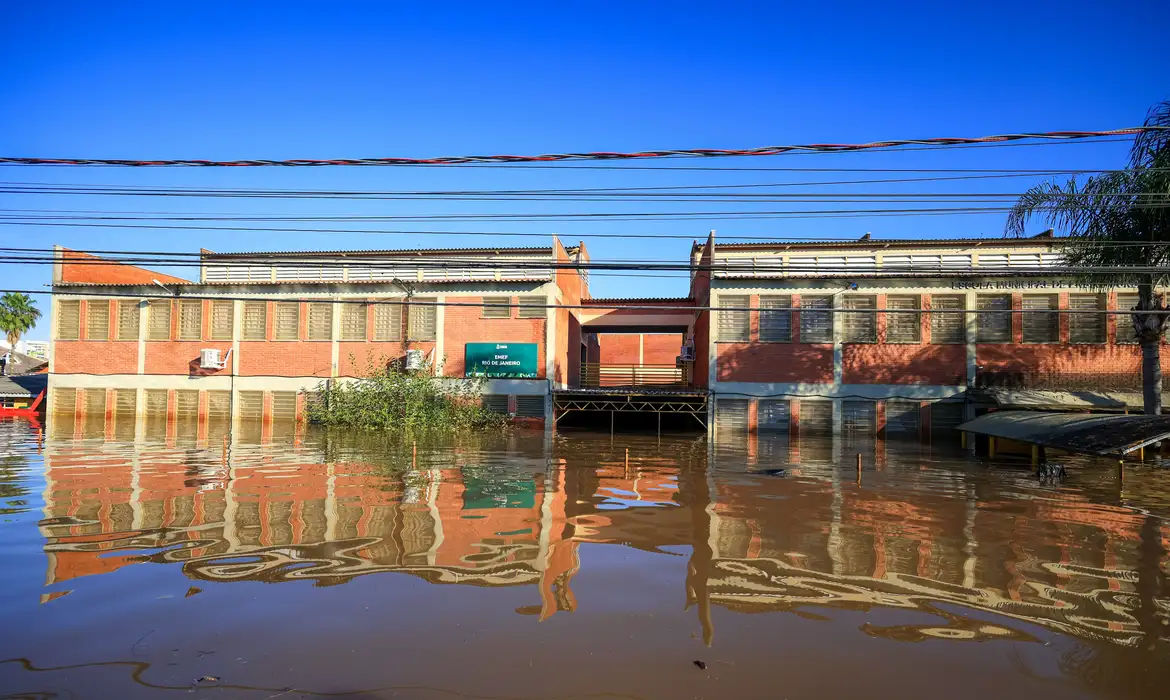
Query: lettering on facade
[{"x": 1012, "y": 284}]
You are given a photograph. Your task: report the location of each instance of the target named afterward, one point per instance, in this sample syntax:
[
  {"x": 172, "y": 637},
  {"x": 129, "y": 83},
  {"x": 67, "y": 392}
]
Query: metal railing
[{"x": 595, "y": 375}]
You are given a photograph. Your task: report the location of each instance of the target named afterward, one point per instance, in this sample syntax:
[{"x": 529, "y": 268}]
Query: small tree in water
[
  {"x": 1119, "y": 220},
  {"x": 391, "y": 398}
]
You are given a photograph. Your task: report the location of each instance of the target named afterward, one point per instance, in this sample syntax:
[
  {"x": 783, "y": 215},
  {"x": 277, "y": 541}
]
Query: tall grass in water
[{"x": 391, "y": 398}]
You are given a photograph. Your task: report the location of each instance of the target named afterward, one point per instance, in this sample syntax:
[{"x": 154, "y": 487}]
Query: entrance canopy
[
  {"x": 1084, "y": 434},
  {"x": 637, "y": 315}
]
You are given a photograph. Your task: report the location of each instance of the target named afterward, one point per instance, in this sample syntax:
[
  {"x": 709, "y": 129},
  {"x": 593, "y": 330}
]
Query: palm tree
[
  {"x": 1119, "y": 220},
  {"x": 18, "y": 314}
]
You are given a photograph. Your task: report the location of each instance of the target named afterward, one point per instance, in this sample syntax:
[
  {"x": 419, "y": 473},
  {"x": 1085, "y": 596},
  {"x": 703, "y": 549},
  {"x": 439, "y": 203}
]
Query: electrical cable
[
  {"x": 424, "y": 301},
  {"x": 600, "y": 155},
  {"x": 147, "y": 190}
]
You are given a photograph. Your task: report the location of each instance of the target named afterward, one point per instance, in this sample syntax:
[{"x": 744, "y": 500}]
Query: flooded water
[{"x": 304, "y": 564}]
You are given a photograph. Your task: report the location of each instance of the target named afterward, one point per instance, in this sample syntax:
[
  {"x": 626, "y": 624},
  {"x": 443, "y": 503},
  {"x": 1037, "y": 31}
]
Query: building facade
[
  {"x": 869, "y": 336},
  {"x": 258, "y": 332},
  {"x": 908, "y": 336}
]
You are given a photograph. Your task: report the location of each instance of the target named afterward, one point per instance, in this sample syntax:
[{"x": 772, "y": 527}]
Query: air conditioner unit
[
  {"x": 687, "y": 354},
  {"x": 209, "y": 359},
  {"x": 415, "y": 360}
]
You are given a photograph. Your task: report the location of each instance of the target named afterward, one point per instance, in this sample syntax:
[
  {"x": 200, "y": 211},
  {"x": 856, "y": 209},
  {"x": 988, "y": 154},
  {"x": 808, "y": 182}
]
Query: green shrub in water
[{"x": 391, "y": 398}]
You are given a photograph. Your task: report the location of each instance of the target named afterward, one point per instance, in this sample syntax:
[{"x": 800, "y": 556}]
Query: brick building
[
  {"x": 867, "y": 336},
  {"x": 906, "y": 336},
  {"x": 256, "y": 332}
]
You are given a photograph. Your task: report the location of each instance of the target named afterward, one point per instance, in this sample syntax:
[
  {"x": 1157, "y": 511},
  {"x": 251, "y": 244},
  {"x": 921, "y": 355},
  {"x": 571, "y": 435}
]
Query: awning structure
[
  {"x": 1050, "y": 400},
  {"x": 1081, "y": 433}
]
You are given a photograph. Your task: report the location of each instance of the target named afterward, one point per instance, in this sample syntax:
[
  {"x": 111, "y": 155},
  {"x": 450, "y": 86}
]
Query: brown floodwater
[{"x": 298, "y": 563}]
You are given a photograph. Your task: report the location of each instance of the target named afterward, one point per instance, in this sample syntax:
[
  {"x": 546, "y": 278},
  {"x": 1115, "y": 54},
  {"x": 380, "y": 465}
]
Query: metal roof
[
  {"x": 1040, "y": 239},
  {"x": 1075, "y": 432},
  {"x": 639, "y": 300},
  {"x": 23, "y": 385},
  {"x": 210, "y": 255}
]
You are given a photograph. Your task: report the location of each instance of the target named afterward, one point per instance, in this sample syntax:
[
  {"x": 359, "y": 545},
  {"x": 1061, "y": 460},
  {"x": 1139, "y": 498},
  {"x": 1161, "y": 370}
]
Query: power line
[
  {"x": 154, "y": 191},
  {"x": 600, "y": 155},
  {"x": 522, "y": 217},
  {"x": 412, "y": 263},
  {"x": 417, "y": 301}
]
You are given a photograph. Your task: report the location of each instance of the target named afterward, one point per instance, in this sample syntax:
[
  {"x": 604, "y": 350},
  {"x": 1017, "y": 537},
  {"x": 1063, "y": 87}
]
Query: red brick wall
[
  {"x": 619, "y": 348},
  {"x": 903, "y": 364},
  {"x": 95, "y": 357},
  {"x": 661, "y": 348},
  {"x": 355, "y": 359},
  {"x": 656, "y": 348},
  {"x": 566, "y": 345},
  {"x": 76, "y": 267},
  {"x": 1063, "y": 359},
  {"x": 464, "y": 324},
  {"x": 285, "y": 359},
  {"x": 774, "y": 362},
  {"x": 175, "y": 357}
]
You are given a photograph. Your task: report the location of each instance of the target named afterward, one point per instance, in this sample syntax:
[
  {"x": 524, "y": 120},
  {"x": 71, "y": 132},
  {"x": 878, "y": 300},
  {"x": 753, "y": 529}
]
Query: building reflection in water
[{"x": 926, "y": 531}]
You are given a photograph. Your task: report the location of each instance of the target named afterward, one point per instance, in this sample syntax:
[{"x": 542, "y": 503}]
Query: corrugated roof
[
  {"x": 639, "y": 300},
  {"x": 209, "y": 255},
  {"x": 1041, "y": 239},
  {"x": 284, "y": 283},
  {"x": 1075, "y": 432},
  {"x": 23, "y": 385}
]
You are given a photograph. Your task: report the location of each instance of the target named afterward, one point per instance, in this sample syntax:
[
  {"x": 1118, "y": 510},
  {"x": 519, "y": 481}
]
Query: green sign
[{"x": 515, "y": 360}]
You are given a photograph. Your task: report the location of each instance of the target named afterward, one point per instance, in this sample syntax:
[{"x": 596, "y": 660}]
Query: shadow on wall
[
  {"x": 774, "y": 362},
  {"x": 1067, "y": 367}
]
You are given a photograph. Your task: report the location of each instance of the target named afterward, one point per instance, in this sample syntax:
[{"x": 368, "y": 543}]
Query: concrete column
[
  {"x": 972, "y": 334},
  {"x": 838, "y": 360},
  {"x": 237, "y": 333},
  {"x": 334, "y": 337},
  {"x": 440, "y": 348}
]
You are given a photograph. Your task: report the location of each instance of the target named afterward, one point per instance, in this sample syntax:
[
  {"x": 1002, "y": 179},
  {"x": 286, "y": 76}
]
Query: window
[
  {"x": 734, "y": 326},
  {"x": 68, "y": 319},
  {"x": 1087, "y": 328},
  {"x": 320, "y": 321},
  {"x": 422, "y": 321},
  {"x": 947, "y": 321},
  {"x": 775, "y": 319},
  {"x": 97, "y": 319},
  {"x": 772, "y": 416},
  {"x": 388, "y": 322},
  {"x": 158, "y": 320},
  {"x": 995, "y": 323},
  {"x": 64, "y": 399},
  {"x": 902, "y": 418},
  {"x": 532, "y": 307},
  {"x": 497, "y": 307},
  {"x": 1040, "y": 326},
  {"x": 902, "y": 326},
  {"x": 128, "y": 315},
  {"x": 530, "y": 406},
  {"x": 284, "y": 405},
  {"x": 816, "y": 326},
  {"x": 222, "y": 318},
  {"x": 353, "y": 321},
  {"x": 496, "y": 403},
  {"x": 859, "y": 325},
  {"x": 288, "y": 320},
  {"x": 250, "y": 405},
  {"x": 190, "y": 320},
  {"x": 731, "y": 416},
  {"x": 255, "y": 325},
  {"x": 187, "y": 404},
  {"x": 1125, "y": 332},
  {"x": 219, "y": 405},
  {"x": 156, "y": 402}
]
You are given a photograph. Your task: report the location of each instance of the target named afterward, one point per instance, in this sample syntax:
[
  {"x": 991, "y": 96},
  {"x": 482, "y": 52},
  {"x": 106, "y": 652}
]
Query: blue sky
[{"x": 318, "y": 80}]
